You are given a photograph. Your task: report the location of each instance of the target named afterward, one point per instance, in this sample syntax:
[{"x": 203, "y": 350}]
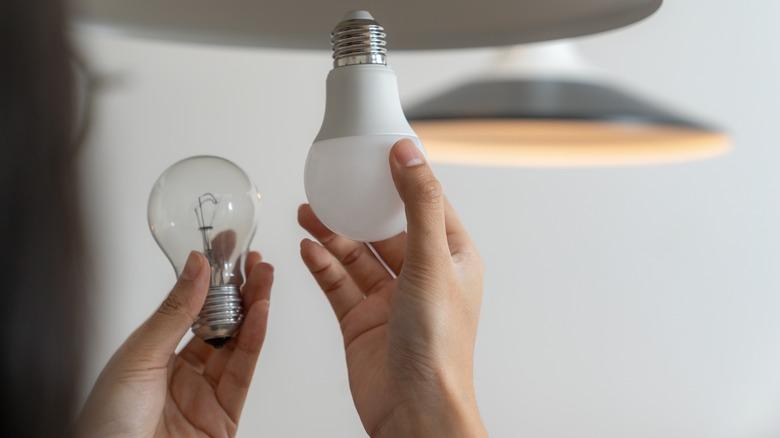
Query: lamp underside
[
  {"x": 429, "y": 24},
  {"x": 564, "y": 143},
  {"x": 544, "y": 122},
  {"x": 544, "y": 98}
]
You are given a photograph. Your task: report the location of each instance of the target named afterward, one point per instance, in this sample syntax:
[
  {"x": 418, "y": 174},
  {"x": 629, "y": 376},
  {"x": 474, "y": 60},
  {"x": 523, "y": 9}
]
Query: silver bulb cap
[
  {"x": 358, "y": 39},
  {"x": 221, "y": 315}
]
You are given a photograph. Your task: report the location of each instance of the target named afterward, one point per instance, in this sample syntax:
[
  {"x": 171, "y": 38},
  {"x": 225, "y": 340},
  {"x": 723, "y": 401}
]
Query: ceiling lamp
[
  {"x": 538, "y": 109},
  {"x": 429, "y": 24},
  {"x": 542, "y": 105}
]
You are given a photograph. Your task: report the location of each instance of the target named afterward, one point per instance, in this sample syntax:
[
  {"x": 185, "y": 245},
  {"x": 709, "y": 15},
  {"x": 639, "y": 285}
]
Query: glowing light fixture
[{"x": 544, "y": 106}]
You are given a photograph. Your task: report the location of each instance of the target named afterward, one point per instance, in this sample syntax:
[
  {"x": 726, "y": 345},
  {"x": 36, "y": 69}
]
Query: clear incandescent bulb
[
  {"x": 347, "y": 176},
  {"x": 207, "y": 204}
]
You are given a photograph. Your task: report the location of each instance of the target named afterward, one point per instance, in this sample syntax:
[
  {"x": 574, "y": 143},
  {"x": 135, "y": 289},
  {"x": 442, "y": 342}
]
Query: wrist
[{"x": 450, "y": 411}]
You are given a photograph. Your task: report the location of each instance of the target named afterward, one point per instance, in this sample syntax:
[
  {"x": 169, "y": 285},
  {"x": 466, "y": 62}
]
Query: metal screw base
[
  {"x": 221, "y": 315},
  {"x": 358, "y": 41}
]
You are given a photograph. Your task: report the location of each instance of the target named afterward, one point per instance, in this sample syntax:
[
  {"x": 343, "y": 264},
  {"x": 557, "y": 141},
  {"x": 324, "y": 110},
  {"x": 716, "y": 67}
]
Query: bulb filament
[
  {"x": 217, "y": 249},
  {"x": 205, "y": 227}
]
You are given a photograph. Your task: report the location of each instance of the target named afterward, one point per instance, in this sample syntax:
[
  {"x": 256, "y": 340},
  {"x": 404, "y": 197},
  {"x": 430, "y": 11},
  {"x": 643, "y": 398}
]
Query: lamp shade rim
[
  {"x": 428, "y": 25},
  {"x": 564, "y": 143},
  {"x": 547, "y": 99},
  {"x": 557, "y": 123}
]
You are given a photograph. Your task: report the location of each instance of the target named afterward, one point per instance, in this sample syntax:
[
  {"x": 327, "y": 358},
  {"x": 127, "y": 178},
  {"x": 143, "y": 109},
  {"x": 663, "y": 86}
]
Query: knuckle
[
  {"x": 172, "y": 306},
  {"x": 425, "y": 273},
  {"x": 429, "y": 191},
  {"x": 334, "y": 285},
  {"x": 377, "y": 285},
  {"x": 352, "y": 256},
  {"x": 319, "y": 270}
]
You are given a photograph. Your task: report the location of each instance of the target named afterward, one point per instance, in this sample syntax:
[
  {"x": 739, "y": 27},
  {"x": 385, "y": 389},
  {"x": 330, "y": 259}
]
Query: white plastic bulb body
[
  {"x": 207, "y": 204},
  {"x": 347, "y": 176}
]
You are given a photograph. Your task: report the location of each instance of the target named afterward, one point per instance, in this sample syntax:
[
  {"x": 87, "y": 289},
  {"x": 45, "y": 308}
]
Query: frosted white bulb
[
  {"x": 207, "y": 204},
  {"x": 347, "y": 176}
]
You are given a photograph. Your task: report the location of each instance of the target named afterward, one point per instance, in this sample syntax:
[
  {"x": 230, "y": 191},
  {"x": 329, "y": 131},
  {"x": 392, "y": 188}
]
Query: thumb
[
  {"x": 423, "y": 199},
  {"x": 156, "y": 339}
]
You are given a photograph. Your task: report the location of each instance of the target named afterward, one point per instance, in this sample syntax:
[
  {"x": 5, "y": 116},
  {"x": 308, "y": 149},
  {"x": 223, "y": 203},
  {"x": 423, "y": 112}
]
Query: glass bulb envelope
[{"x": 207, "y": 204}]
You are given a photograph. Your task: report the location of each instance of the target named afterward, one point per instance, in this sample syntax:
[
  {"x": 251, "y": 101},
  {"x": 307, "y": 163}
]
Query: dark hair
[{"x": 39, "y": 224}]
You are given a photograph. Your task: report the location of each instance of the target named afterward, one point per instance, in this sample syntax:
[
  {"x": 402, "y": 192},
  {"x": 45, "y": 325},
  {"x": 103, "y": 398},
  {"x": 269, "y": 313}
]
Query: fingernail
[
  {"x": 192, "y": 267},
  {"x": 407, "y": 154}
]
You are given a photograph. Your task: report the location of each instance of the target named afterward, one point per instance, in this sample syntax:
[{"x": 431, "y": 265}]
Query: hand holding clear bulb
[
  {"x": 203, "y": 212},
  {"x": 148, "y": 390}
]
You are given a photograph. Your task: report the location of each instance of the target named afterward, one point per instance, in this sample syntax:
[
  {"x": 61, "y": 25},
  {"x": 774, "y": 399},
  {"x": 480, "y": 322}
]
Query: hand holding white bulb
[{"x": 409, "y": 324}]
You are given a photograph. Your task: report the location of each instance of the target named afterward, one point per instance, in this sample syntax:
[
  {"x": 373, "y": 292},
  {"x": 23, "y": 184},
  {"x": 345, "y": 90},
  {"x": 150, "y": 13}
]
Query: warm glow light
[{"x": 564, "y": 143}]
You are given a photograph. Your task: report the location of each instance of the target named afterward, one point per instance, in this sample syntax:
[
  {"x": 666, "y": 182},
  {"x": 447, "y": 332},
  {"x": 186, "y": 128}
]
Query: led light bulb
[
  {"x": 347, "y": 176},
  {"x": 207, "y": 204}
]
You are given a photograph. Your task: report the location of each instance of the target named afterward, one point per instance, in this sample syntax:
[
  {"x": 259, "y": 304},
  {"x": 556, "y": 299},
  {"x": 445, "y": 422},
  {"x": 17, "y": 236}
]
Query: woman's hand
[
  {"x": 147, "y": 390},
  {"x": 409, "y": 340}
]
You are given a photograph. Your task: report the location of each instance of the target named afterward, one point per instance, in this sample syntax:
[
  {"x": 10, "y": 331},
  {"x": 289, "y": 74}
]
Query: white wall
[{"x": 637, "y": 302}]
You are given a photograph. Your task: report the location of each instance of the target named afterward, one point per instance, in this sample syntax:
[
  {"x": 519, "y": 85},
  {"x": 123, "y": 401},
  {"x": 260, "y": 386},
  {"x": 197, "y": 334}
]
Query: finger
[
  {"x": 215, "y": 366},
  {"x": 235, "y": 380},
  {"x": 252, "y": 258},
  {"x": 258, "y": 285},
  {"x": 257, "y": 288},
  {"x": 457, "y": 237},
  {"x": 156, "y": 340},
  {"x": 421, "y": 193},
  {"x": 360, "y": 263},
  {"x": 201, "y": 355},
  {"x": 196, "y": 353},
  {"x": 392, "y": 251},
  {"x": 333, "y": 279}
]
